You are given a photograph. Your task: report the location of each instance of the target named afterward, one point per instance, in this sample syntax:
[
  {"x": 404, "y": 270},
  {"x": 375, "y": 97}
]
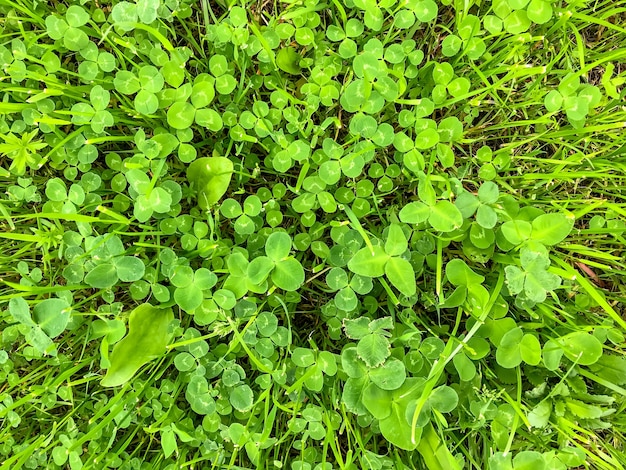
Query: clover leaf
[
  {"x": 377, "y": 261},
  {"x": 533, "y": 279}
]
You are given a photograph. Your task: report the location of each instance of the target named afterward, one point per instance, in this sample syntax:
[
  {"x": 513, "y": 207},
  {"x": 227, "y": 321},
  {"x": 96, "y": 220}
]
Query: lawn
[{"x": 313, "y": 235}]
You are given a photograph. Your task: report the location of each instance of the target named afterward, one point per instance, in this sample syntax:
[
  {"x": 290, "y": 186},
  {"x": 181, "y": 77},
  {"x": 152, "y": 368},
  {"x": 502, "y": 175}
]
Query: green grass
[{"x": 311, "y": 235}]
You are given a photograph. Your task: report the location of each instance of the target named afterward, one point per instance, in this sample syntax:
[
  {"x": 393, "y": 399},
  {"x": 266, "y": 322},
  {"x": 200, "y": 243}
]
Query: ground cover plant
[{"x": 312, "y": 235}]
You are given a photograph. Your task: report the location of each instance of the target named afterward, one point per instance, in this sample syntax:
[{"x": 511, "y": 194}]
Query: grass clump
[{"x": 312, "y": 235}]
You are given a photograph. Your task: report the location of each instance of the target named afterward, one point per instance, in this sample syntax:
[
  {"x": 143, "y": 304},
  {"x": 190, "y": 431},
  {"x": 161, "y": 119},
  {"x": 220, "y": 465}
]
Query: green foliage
[
  {"x": 210, "y": 176},
  {"x": 361, "y": 234},
  {"x": 146, "y": 340}
]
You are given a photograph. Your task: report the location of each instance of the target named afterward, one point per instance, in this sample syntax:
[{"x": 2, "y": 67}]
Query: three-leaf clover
[
  {"x": 533, "y": 278},
  {"x": 347, "y": 289},
  {"x": 47, "y": 321},
  {"x": 148, "y": 199},
  {"x": 376, "y": 261},
  {"x": 109, "y": 265},
  {"x": 146, "y": 84},
  {"x": 94, "y": 114},
  {"x": 575, "y": 99},
  {"x": 182, "y": 114},
  {"x": 285, "y": 270},
  {"x": 69, "y": 29}
]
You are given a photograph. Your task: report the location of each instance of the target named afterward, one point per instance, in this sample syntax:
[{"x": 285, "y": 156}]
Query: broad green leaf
[
  {"x": 102, "y": 276},
  {"x": 451, "y": 45},
  {"x": 288, "y": 274},
  {"x": 99, "y": 98},
  {"x": 553, "y": 101},
  {"x": 401, "y": 275},
  {"x": 464, "y": 366},
  {"x": 396, "y": 242},
  {"x": 539, "y": 416},
  {"x": 146, "y": 102},
  {"x": 225, "y": 299},
  {"x": 373, "y": 349},
  {"x": 147, "y": 10},
  {"x": 389, "y": 376},
  {"x": 288, "y": 59},
  {"x": 278, "y": 246},
  {"x": 539, "y": 11},
  {"x": 488, "y": 192},
  {"x": 189, "y": 298},
  {"x": 173, "y": 73},
  {"x": 530, "y": 349},
  {"x": 552, "y": 354},
  {"x": 357, "y": 328},
  {"x": 460, "y": 274},
  {"x": 52, "y": 315},
  {"x": 435, "y": 452},
  {"x": 346, "y": 299},
  {"x": 76, "y": 39},
  {"x": 146, "y": 340},
  {"x": 581, "y": 347},
  {"x": 450, "y": 129},
  {"x": 517, "y": 22},
  {"x": 259, "y": 268},
  {"x": 551, "y": 229},
  {"x": 501, "y": 461},
  {"x": 337, "y": 278},
  {"x": 352, "y": 395},
  {"x": 129, "y": 268},
  {"x": 516, "y": 231},
  {"x": 56, "y": 27},
  {"x": 445, "y": 217},
  {"x": 529, "y": 460},
  {"x": 303, "y": 357},
  {"x": 199, "y": 397},
  {"x": 467, "y": 203},
  {"x": 40, "y": 341},
  {"x": 202, "y": 94},
  {"x": 514, "y": 279},
  {"x": 396, "y": 428},
  {"x": 124, "y": 12},
  {"x": 369, "y": 263},
  {"x": 181, "y": 115},
  {"x": 426, "y": 139},
  {"x": 377, "y": 401},
  {"x": 425, "y": 10},
  {"x": 168, "y": 442},
  {"x": 209, "y": 118},
  {"x": 126, "y": 82},
  {"x": 443, "y": 399},
  {"x": 266, "y": 323},
  {"x": 352, "y": 364},
  {"x": 18, "y": 307},
  {"x": 160, "y": 200},
  {"x": 584, "y": 410},
  {"x": 508, "y": 353},
  {"x": 414, "y": 213},
  {"x": 486, "y": 216},
  {"x": 241, "y": 397},
  {"x": 611, "y": 368},
  {"x": 328, "y": 362},
  {"x": 211, "y": 177}
]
